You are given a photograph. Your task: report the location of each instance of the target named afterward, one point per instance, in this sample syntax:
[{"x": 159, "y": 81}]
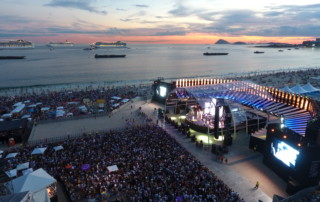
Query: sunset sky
[{"x": 162, "y": 21}]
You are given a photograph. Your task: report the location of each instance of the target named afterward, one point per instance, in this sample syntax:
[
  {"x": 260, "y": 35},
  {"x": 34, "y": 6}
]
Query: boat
[
  {"x": 11, "y": 57},
  {"x": 215, "y": 53},
  {"x": 18, "y": 44},
  {"x": 280, "y": 50},
  {"x": 60, "y": 44},
  {"x": 258, "y": 52},
  {"x": 90, "y": 48},
  {"x": 109, "y": 56},
  {"x": 117, "y": 44}
]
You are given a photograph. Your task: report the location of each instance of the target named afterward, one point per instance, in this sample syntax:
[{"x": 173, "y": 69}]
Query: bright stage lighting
[
  {"x": 163, "y": 91},
  {"x": 284, "y": 152}
]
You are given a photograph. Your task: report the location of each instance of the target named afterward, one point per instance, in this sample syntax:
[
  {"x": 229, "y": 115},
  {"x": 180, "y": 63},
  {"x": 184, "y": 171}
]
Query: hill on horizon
[{"x": 222, "y": 41}]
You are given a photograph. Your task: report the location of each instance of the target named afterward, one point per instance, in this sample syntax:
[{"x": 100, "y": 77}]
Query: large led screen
[{"x": 284, "y": 152}]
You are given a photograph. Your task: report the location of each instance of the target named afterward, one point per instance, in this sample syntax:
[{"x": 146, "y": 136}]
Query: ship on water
[
  {"x": 60, "y": 44},
  {"x": 18, "y": 44},
  {"x": 118, "y": 44}
]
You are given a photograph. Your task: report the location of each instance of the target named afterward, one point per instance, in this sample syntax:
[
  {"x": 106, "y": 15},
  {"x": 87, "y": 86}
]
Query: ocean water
[{"x": 144, "y": 63}]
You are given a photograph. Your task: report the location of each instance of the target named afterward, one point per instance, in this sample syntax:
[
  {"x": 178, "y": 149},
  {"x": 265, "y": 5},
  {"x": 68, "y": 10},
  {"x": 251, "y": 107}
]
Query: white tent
[
  {"x": 308, "y": 87},
  {"x": 45, "y": 109},
  {"x": 11, "y": 155},
  {"x": 83, "y": 108},
  {"x": 298, "y": 89},
  {"x": 116, "y": 98},
  {"x": 39, "y": 150},
  {"x": 112, "y": 168},
  {"x": 11, "y": 173},
  {"x": 57, "y": 148},
  {"x": 17, "y": 104},
  {"x": 60, "y": 113},
  {"x": 287, "y": 89},
  {"x": 9, "y": 115},
  {"x": 18, "y": 109},
  {"x": 125, "y": 100},
  {"x": 22, "y": 166},
  {"x": 27, "y": 171},
  {"x": 21, "y": 197},
  {"x": 35, "y": 182},
  {"x": 60, "y": 108}
]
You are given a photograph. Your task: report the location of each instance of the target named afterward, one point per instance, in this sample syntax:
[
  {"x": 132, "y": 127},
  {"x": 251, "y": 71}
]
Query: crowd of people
[
  {"x": 47, "y": 104},
  {"x": 152, "y": 166}
]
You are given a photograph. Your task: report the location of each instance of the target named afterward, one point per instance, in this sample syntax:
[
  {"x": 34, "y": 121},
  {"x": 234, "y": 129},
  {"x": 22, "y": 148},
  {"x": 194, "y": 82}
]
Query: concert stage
[{"x": 276, "y": 120}]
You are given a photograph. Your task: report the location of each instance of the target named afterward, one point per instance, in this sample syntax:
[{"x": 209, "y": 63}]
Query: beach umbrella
[
  {"x": 11, "y": 155},
  {"x": 85, "y": 167}
]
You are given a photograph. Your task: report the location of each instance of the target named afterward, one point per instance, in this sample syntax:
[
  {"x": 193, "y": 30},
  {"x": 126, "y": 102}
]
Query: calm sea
[{"x": 143, "y": 63}]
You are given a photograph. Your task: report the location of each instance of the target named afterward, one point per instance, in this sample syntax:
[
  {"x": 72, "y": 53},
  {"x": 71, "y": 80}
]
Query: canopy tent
[
  {"x": 116, "y": 98},
  {"x": 22, "y": 166},
  {"x": 17, "y": 104},
  {"x": 39, "y": 150},
  {"x": 18, "y": 109},
  {"x": 298, "y": 89},
  {"x": 83, "y": 108},
  {"x": 287, "y": 89},
  {"x": 112, "y": 168},
  {"x": 60, "y": 113},
  {"x": 11, "y": 173},
  {"x": 57, "y": 148},
  {"x": 21, "y": 197},
  {"x": 35, "y": 182},
  {"x": 45, "y": 109},
  {"x": 125, "y": 100},
  {"x": 26, "y": 116},
  {"x": 9, "y": 115},
  {"x": 308, "y": 87},
  {"x": 60, "y": 108},
  {"x": 11, "y": 155},
  {"x": 27, "y": 171}
]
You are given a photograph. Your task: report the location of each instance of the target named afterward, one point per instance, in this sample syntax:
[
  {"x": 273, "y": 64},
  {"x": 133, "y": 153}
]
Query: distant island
[
  {"x": 221, "y": 41},
  {"x": 239, "y": 43}
]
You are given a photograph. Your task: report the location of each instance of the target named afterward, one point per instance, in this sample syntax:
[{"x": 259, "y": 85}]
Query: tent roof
[
  {"x": 298, "y": 89},
  {"x": 33, "y": 182},
  {"x": 308, "y": 87},
  {"x": 57, "y": 148},
  {"x": 39, "y": 150},
  {"x": 11, "y": 173},
  {"x": 15, "y": 197},
  {"x": 11, "y": 155},
  {"x": 22, "y": 166},
  {"x": 287, "y": 89}
]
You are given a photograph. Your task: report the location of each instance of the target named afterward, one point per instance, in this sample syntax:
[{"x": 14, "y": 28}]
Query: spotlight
[
  {"x": 285, "y": 137},
  {"x": 299, "y": 144},
  {"x": 272, "y": 129}
]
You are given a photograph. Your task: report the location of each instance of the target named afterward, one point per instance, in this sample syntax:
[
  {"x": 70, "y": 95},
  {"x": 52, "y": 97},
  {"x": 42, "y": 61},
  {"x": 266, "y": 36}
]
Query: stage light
[
  {"x": 285, "y": 137},
  {"x": 272, "y": 129},
  {"x": 299, "y": 144},
  {"x": 282, "y": 125}
]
